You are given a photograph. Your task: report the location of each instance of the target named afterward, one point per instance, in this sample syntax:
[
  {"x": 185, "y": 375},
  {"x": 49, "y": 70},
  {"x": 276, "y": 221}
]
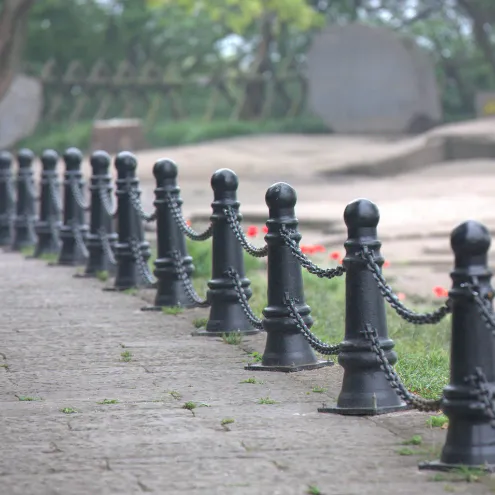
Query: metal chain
[
  {"x": 485, "y": 396},
  {"x": 55, "y": 196},
  {"x": 30, "y": 188},
  {"x": 106, "y": 200},
  {"x": 404, "y": 312},
  {"x": 54, "y": 232},
  {"x": 486, "y": 315},
  {"x": 11, "y": 195},
  {"x": 425, "y": 405},
  {"x": 186, "y": 282},
  {"x": 304, "y": 261},
  {"x": 77, "y": 193},
  {"x": 181, "y": 223},
  {"x": 231, "y": 217},
  {"x": 142, "y": 265},
  {"x": 241, "y": 296},
  {"x": 107, "y": 248},
  {"x": 313, "y": 340},
  {"x": 136, "y": 203},
  {"x": 79, "y": 240}
]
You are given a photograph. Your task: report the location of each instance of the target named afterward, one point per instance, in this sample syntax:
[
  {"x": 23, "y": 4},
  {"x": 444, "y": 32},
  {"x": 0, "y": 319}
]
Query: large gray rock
[
  {"x": 365, "y": 79},
  {"x": 20, "y": 110}
]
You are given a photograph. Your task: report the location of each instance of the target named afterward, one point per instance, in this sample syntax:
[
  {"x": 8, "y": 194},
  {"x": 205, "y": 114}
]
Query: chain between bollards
[
  {"x": 186, "y": 282},
  {"x": 142, "y": 265},
  {"x": 79, "y": 240},
  {"x": 107, "y": 248},
  {"x": 55, "y": 197},
  {"x": 31, "y": 190},
  {"x": 329, "y": 273},
  {"x": 487, "y": 316},
  {"x": 181, "y": 223},
  {"x": 232, "y": 220},
  {"x": 106, "y": 201},
  {"x": 77, "y": 194},
  {"x": 243, "y": 300},
  {"x": 485, "y": 395},
  {"x": 425, "y": 405},
  {"x": 404, "y": 312},
  {"x": 136, "y": 204}
]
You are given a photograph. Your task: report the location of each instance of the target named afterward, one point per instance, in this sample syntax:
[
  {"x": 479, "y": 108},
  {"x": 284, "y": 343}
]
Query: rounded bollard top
[
  {"x": 361, "y": 213},
  {"x": 49, "y": 159},
  {"x": 224, "y": 180},
  {"x": 280, "y": 196},
  {"x": 25, "y": 158},
  {"x": 469, "y": 239},
  {"x": 125, "y": 162},
  {"x": 5, "y": 160},
  {"x": 100, "y": 162},
  {"x": 73, "y": 159},
  {"x": 164, "y": 169}
]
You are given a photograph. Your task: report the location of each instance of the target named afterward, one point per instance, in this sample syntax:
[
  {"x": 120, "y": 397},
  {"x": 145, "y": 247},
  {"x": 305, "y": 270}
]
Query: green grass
[
  {"x": 50, "y": 257},
  {"x": 27, "y": 251},
  {"x": 437, "y": 421},
  {"x": 68, "y": 410},
  {"x": 108, "y": 401},
  {"x": 126, "y": 356},
  {"x": 102, "y": 276},
  {"x": 319, "y": 390},
  {"x": 200, "y": 322},
  {"x": 173, "y": 310},
  {"x": 414, "y": 440},
  {"x": 25, "y": 398},
  {"x": 266, "y": 400},
  {"x": 252, "y": 380},
  {"x": 176, "y": 395},
  {"x": 313, "y": 490},
  {"x": 233, "y": 338},
  {"x": 61, "y": 136}
]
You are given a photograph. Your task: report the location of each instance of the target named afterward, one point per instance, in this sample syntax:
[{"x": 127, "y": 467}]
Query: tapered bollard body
[
  {"x": 226, "y": 313},
  {"x": 129, "y": 226},
  {"x": 470, "y": 436},
  {"x": 286, "y": 348},
  {"x": 365, "y": 389},
  {"x": 7, "y": 198},
  {"x": 74, "y": 230},
  {"x": 170, "y": 240},
  {"x": 101, "y": 238},
  {"x": 48, "y": 226},
  {"x": 25, "y": 218}
]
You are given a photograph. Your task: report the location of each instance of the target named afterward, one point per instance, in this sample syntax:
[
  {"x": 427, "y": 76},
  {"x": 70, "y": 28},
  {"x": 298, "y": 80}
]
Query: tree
[{"x": 13, "y": 18}]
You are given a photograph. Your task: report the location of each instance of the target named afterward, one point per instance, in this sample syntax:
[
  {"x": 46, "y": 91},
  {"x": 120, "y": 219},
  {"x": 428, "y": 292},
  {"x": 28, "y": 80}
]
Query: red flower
[
  {"x": 335, "y": 255},
  {"x": 265, "y": 229},
  {"x": 386, "y": 264},
  {"x": 188, "y": 223},
  {"x": 252, "y": 231},
  {"x": 401, "y": 296},
  {"x": 440, "y": 291},
  {"x": 319, "y": 248},
  {"x": 306, "y": 249}
]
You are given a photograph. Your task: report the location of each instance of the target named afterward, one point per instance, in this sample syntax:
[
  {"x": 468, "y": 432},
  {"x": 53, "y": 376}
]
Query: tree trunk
[{"x": 13, "y": 18}]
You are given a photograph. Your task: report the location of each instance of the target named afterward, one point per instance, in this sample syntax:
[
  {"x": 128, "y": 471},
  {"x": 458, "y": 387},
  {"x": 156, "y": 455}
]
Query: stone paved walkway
[{"x": 61, "y": 341}]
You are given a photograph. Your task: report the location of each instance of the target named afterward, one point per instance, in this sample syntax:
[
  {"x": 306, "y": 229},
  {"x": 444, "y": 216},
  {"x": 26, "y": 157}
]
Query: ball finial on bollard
[
  {"x": 73, "y": 158},
  {"x": 361, "y": 214},
  {"x": 165, "y": 169},
  {"x": 25, "y": 158},
  {"x": 280, "y": 196},
  {"x": 224, "y": 182},
  {"x": 125, "y": 162},
  {"x": 49, "y": 159},
  {"x": 5, "y": 160},
  {"x": 100, "y": 162},
  {"x": 470, "y": 239}
]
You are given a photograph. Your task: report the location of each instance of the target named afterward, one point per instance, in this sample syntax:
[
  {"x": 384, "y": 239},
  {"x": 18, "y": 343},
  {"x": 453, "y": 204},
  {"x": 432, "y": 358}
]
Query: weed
[
  {"x": 126, "y": 356},
  {"x": 68, "y": 410},
  {"x": 175, "y": 395},
  {"x": 200, "y": 322},
  {"x": 266, "y": 400},
  {"x": 5, "y": 366},
  {"x": 313, "y": 490},
  {"x": 319, "y": 390},
  {"x": 469, "y": 474},
  {"x": 102, "y": 275},
  {"x": 132, "y": 291},
  {"x": 251, "y": 380},
  {"x": 108, "y": 401},
  {"x": 437, "y": 421},
  {"x": 414, "y": 440},
  {"x": 190, "y": 406},
  {"x": 257, "y": 357},
  {"x": 172, "y": 310},
  {"x": 232, "y": 338},
  {"x": 50, "y": 257},
  {"x": 27, "y": 251},
  {"x": 406, "y": 451},
  {"x": 25, "y": 398},
  {"x": 227, "y": 421}
]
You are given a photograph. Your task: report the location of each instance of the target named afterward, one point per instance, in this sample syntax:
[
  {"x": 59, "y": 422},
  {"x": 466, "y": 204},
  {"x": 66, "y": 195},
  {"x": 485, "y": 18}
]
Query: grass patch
[
  {"x": 50, "y": 257},
  {"x": 232, "y": 338},
  {"x": 25, "y": 398},
  {"x": 102, "y": 275},
  {"x": 414, "y": 440},
  {"x": 108, "y": 401},
  {"x": 68, "y": 410},
  {"x": 200, "y": 322},
  {"x": 176, "y": 395},
  {"x": 266, "y": 400},
  {"x": 257, "y": 357},
  {"x": 172, "y": 310},
  {"x": 27, "y": 251},
  {"x": 319, "y": 390},
  {"x": 190, "y": 406},
  {"x": 437, "y": 421},
  {"x": 251, "y": 380},
  {"x": 132, "y": 291},
  {"x": 126, "y": 356},
  {"x": 406, "y": 451},
  {"x": 313, "y": 490}
]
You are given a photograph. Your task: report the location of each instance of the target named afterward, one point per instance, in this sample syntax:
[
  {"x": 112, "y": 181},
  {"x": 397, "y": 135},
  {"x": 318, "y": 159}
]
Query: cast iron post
[{"x": 7, "y": 198}]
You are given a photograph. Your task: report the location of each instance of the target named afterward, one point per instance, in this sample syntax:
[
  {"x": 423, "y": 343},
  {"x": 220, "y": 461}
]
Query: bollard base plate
[
  {"x": 363, "y": 411},
  {"x": 115, "y": 289},
  {"x": 151, "y": 308},
  {"x": 206, "y": 333},
  {"x": 289, "y": 369},
  {"x": 442, "y": 466},
  {"x": 83, "y": 275}
]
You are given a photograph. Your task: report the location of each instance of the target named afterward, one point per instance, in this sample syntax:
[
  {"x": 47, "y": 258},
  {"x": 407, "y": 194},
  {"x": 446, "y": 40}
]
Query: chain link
[
  {"x": 404, "y": 312},
  {"x": 485, "y": 396},
  {"x": 232, "y": 220},
  {"x": 77, "y": 193},
  {"x": 486, "y": 315},
  {"x": 425, "y": 405},
  {"x": 55, "y": 196},
  {"x": 136, "y": 203},
  {"x": 313, "y": 340},
  {"x": 79, "y": 240},
  {"x": 241, "y": 296},
  {"x": 181, "y": 223},
  {"x": 30, "y": 188},
  {"x": 144, "y": 270},
  {"x": 186, "y": 282},
  {"x": 106, "y": 200},
  {"x": 304, "y": 261},
  {"x": 55, "y": 233},
  {"x": 11, "y": 195},
  {"x": 107, "y": 248}
]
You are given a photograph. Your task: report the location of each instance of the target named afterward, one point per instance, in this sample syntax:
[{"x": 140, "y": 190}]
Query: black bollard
[
  {"x": 130, "y": 227},
  {"x": 226, "y": 313},
  {"x": 74, "y": 230},
  {"x": 101, "y": 238},
  {"x": 286, "y": 348},
  {"x": 7, "y": 198},
  {"x": 365, "y": 390},
  {"x": 48, "y": 226},
  {"x": 25, "y": 218},
  {"x": 470, "y": 436},
  {"x": 170, "y": 240}
]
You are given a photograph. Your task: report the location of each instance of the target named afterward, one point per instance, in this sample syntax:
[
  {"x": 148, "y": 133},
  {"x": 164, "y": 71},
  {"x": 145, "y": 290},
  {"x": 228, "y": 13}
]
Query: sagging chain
[
  {"x": 54, "y": 232},
  {"x": 55, "y": 196},
  {"x": 486, "y": 315},
  {"x": 106, "y": 200},
  {"x": 144, "y": 270},
  {"x": 10, "y": 186},
  {"x": 485, "y": 395},
  {"x": 136, "y": 203},
  {"x": 181, "y": 223},
  {"x": 186, "y": 282},
  {"x": 313, "y": 340},
  {"x": 388, "y": 294},
  {"x": 304, "y": 261},
  {"x": 107, "y": 248},
  {"x": 243, "y": 300},
  {"x": 76, "y": 232},
  {"x": 77, "y": 193},
  {"x": 425, "y": 405},
  {"x": 231, "y": 217},
  {"x": 30, "y": 188}
]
